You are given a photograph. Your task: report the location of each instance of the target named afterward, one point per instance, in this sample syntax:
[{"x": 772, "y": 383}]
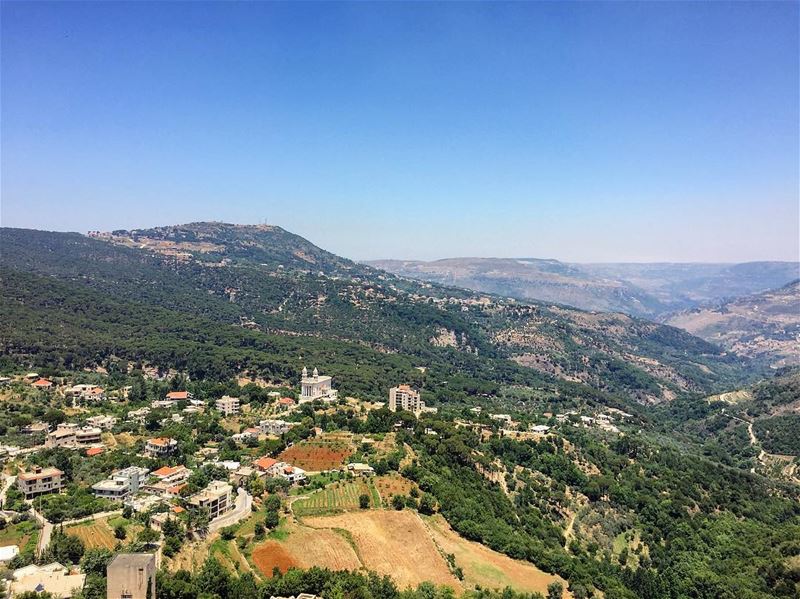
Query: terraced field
[{"x": 336, "y": 498}]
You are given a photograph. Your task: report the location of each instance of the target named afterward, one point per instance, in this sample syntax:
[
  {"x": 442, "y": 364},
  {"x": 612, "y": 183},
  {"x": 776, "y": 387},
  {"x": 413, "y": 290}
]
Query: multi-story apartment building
[
  {"x": 274, "y": 427},
  {"x": 159, "y": 447},
  {"x": 228, "y": 405},
  {"x": 40, "y": 481},
  {"x": 72, "y": 435},
  {"x": 403, "y": 397},
  {"x": 122, "y": 483},
  {"x": 139, "y": 415},
  {"x": 131, "y": 576},
  {"x": 105, "y": 423},
  {"x": 216, "y": 498},
  {"x": 316, "y": 387}
]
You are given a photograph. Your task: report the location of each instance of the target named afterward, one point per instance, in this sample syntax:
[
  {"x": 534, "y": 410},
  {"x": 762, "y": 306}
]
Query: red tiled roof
[
  {"x": 174, "y": 490},
  {"x": 287, "y": 401},
  {"x": 178, "y": 509},
  {"x": 94, "y": 451},
  {"x": 178, "y": 395},
  {"x": 43, "y": 383},
  {"x": 165, "y": 471},
  {"x": 265, "y": 463},
  {"x": 159, "y": 441}
]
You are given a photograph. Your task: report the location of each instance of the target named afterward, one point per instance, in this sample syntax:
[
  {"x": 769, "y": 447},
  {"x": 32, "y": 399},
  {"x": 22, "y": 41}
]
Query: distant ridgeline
[{"x": 217, "y": 300}]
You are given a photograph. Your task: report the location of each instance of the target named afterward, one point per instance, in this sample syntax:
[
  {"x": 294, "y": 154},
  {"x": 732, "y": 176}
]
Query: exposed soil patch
[{"x": 272, "y": 555}]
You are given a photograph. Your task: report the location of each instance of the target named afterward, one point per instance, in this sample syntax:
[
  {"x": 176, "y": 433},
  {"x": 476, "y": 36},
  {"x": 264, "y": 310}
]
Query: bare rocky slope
[{"x": 763, "y": 326}]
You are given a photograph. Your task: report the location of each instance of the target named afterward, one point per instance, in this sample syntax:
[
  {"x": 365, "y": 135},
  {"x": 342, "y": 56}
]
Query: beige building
[
  {"x": 228, "y": 405},
  {"x": 274, "y": 427},
  {"x": 53, "y": 578},
  {"x": 316, "y": 387},
  {"x": 72, "y": 435},
  {"x": 216, "y": 498},
  {"x": 40, "y": 481},
  {"x": 131, "y": 576},
  {"x": 160, "y": 447},
  {"x": 403, "y": 397}
]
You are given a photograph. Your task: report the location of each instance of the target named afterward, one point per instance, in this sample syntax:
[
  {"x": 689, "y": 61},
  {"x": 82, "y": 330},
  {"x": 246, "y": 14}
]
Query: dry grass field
[
  {"x": 392, "y": 484},
  {"x": 393, "y": 543},
  {"x": 94, "y": 534},
  {"x": 487, "y": 568}
]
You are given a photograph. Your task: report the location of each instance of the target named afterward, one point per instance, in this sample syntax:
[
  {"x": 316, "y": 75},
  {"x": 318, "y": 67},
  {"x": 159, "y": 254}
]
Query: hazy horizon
[{"x": 586, "y": 132}]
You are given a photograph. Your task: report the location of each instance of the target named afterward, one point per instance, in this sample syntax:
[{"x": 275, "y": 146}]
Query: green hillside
[{"x": 263, "y": 285}]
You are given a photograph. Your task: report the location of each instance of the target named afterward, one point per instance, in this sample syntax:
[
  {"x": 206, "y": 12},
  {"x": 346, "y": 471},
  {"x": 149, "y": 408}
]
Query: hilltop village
[{"x": 161, "y": 471}]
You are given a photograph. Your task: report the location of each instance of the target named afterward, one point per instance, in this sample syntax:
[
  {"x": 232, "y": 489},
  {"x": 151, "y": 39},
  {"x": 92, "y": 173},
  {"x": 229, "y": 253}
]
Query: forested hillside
[{"x": 268, "y": 281}]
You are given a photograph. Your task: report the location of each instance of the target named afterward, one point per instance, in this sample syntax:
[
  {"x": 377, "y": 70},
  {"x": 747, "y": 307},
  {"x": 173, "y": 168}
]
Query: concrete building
[
  {"x": 216, "y": 498},
  {"x": 71, "y": 435},
  {"x": 403, "y": 397},
  {"x": 139, "y": 415},
  {"x": 131, "y": 576},
  {"x": 243, "y": 475},
  {"x": 316, "y": 387},
  {"x": 53, "y": 578},
  {"x": 36, "y": 428},
  {"x": 274, "y": 427},
  {"x": 268, "y": 465},
  {"x": 291, "y": 473},
  {"x": 63, "y": 436},
  {"x": 122, "y": 483},
  {"x": 228, "y": 405},
  {"x": 40, "y": 481},
  {"x": 105, "y": 423},
  {"x": 360, "y": 469},
  {"x": 160, "y": 446}
]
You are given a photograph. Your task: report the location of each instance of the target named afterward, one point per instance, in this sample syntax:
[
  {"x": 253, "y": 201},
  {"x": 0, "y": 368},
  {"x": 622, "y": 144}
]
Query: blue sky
[{"x": 627, "y": 131}]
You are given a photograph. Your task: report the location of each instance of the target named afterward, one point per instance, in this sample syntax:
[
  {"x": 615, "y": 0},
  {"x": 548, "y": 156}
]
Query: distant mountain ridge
[{"x": 646, "y": 290}]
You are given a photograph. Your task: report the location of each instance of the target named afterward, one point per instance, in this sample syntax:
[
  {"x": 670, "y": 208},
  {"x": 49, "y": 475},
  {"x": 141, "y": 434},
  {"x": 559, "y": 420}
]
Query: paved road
[
  {"x": 7, "y": 482},
  {"x": 44, "y": 534},
  {"x": 242, "y": 510}
]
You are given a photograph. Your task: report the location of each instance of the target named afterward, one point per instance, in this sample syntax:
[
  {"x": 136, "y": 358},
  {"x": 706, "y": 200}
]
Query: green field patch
[{"x": 336, "y": 498}]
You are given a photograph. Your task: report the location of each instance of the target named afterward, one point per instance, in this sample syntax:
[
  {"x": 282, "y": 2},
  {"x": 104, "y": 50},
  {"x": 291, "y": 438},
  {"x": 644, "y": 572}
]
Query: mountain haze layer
[{"x": 648, "y": 290}]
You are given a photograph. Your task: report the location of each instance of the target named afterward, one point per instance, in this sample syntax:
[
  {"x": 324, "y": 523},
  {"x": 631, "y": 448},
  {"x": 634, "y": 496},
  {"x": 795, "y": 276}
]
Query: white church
[{"x": 316, "y": 387}]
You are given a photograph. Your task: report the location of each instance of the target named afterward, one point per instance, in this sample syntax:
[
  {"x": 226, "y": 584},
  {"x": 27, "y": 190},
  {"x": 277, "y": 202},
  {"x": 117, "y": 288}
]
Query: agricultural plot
[
  {"x": 94, "y": 534},
  {"x": 488, "y": 568},
  {"x": 392, "y": 484},
  {"x": 392, "y": 542},
  {"x": 317, "y": 455},
  {"x": 337, "y": 497},
  {"x": 24, "y": 535}
]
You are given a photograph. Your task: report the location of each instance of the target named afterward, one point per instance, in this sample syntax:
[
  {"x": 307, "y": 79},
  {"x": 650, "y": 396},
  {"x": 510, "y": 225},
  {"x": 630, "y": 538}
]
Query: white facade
[
  {"x": 274, "y": 427},
  {"x": 316, "y": 387},
  {"x": 121, "y": 484}
]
